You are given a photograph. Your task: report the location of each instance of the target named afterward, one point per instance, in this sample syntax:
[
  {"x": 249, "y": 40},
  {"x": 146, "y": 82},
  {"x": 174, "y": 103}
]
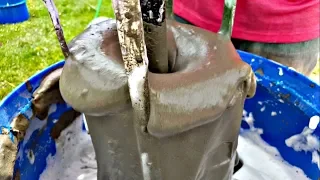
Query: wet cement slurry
[{"x": 197, "y": 104}]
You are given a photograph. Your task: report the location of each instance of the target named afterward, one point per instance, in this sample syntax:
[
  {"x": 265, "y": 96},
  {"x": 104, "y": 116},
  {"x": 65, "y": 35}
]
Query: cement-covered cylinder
[{"x": 194, "y": 114}]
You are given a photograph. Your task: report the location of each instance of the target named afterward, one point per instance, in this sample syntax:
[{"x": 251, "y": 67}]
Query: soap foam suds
[
  {"x": 34, "y": 125},
  {"x": 273, "y": 113},
  {"x": 262, "y": 161},
  {"x": 74, "y": 158},
  {"x": 250, "y": 121},
  {"x": 314, "y": 121},
  {"x": 307, "y": 142},
  {"x": 316, "y": 158},
  {"x": 280, "y": 71}
]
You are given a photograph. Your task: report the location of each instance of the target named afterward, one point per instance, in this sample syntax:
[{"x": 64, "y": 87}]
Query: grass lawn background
[{"x": 31, "y": 46}]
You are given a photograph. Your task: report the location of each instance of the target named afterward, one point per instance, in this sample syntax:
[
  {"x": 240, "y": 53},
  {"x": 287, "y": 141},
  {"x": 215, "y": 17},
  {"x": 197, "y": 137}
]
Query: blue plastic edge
[
  {"x": 304, "y": 93},
  {"x": 13, "y": 5}
]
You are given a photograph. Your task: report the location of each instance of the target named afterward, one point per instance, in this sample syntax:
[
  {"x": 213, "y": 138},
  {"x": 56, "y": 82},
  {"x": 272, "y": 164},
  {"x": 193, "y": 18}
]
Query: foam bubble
[{"x": 314, "y": 121}]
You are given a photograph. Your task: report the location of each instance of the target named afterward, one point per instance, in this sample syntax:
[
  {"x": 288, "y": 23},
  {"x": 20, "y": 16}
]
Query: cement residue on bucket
[{"x": 74, "y": 158}]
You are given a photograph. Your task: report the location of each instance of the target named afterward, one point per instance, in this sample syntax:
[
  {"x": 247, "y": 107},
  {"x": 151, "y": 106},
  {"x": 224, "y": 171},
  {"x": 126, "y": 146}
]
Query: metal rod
[
  {"x": 134, "y": 53},
  {"x": 54, "y": 15},
  {"x": 155, "y": 33},
  {"x": 169, "y": 8},
  {"x": 228, "y": 18},
  {"x": 98, "y": 8}
]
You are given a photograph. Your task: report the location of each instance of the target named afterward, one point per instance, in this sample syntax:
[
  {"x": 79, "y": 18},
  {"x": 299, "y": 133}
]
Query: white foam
[
  {"x": 314, "y": 121},
  {"x": 280, "y": 71},
  {"x": 273, "y": 113},
  {"x": 305, "y": 141},
  {"x": 34, "y": 125},
  {"x": 74, "y": 158},
  {"x": 262, "y": 161},
  {"x": 250, "y": 121},
  {"x": 316, "y": 158}
]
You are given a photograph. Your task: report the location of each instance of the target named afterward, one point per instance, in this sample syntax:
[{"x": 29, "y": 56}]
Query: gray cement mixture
[{"x": 194, "y": 111}]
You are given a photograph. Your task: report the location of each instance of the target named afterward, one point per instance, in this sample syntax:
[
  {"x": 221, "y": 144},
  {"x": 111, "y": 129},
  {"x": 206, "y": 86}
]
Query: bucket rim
[
  {"x": 22, "y": 86},
  {"x": 5, "y": 6},
  {"x": 303, "y": 94}
]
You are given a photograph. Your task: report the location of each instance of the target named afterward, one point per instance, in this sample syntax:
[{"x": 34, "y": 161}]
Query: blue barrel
[
  {"x": 284, "y": 103},
  {"x": 13, "y": 11}
]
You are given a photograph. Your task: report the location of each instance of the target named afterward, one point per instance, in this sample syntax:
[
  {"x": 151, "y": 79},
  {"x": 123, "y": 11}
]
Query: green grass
[{"x": 31, "y": 46}]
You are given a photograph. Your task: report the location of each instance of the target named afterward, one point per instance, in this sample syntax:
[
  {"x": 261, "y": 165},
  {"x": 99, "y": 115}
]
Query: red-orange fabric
[{"x": 269, "y": 21}]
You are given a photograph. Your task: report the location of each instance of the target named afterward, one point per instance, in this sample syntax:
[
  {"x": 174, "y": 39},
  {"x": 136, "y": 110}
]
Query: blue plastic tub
[
  {"x": 13, "y": 11},
  {"x": 281, "y": 91}
]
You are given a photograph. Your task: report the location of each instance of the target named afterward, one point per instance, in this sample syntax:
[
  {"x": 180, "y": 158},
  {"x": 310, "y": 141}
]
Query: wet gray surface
[{"x": 195, "y": 109}]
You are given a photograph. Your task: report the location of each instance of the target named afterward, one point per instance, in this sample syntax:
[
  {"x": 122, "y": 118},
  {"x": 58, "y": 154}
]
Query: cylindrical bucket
[
  {"x": 281, "y": 111},
  {"x": 13, "y": 11},
  {"x": 275, "y": 120}
]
